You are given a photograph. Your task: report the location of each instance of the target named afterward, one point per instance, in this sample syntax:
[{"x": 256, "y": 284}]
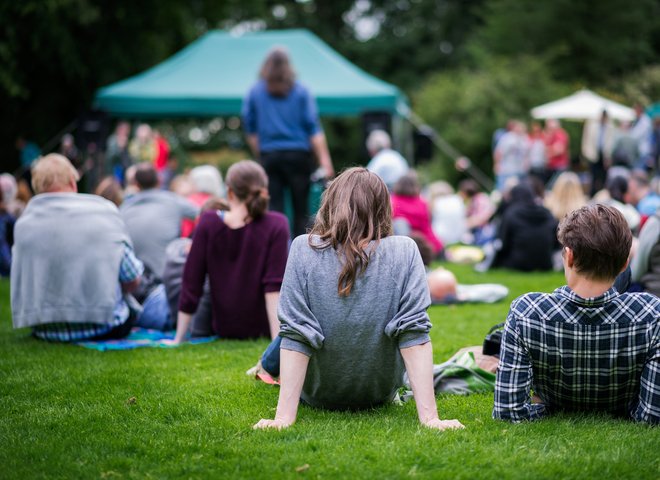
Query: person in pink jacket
[{"x": 412, "y": 212}]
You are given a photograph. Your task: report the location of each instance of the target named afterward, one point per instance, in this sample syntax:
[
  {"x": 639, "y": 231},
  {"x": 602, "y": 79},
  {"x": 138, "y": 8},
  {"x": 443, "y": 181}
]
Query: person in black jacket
[{"x": 527, "y": 233}]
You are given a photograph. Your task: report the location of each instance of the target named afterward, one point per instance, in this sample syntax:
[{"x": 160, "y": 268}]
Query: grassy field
[{"x": 68, "y": 412}]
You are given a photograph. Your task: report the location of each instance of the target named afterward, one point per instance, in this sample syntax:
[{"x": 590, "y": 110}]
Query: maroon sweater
[{"x": 242, "y": 265}]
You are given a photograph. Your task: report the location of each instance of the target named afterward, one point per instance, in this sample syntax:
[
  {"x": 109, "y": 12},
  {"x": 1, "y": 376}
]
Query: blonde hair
[
  {"x": 566, "y": 195},
  {"x": 355, "y": 210},
  {"x": 53, "y": 173}
]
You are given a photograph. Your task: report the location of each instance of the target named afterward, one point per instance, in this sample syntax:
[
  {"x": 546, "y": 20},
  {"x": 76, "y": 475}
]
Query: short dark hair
[
  {"x": 469, "y": 187},
  {"x": 600, "y": 239},
  {"x": 146, "y": 176},
  {"x": 424, "y": 247}
]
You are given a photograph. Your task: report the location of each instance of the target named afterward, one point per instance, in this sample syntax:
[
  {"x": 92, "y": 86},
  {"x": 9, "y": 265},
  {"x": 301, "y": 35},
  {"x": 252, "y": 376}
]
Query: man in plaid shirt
[{"x": 584, "y": 347}]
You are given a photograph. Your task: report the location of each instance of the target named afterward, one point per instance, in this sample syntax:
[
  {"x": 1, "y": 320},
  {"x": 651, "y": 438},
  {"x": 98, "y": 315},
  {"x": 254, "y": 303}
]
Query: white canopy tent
[{"x": 583, "y": 105}]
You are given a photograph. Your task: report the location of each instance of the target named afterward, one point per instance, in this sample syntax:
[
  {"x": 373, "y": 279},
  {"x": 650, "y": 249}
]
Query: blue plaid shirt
[
  {"x": 594, "y": 354},
  {"x": 130, "y": 268}
]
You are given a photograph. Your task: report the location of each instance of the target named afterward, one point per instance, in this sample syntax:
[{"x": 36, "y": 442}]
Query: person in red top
[
  {"x": 207, "y": 183},
  {"x": 162, "y": 151},
  {"x": 557, "y": 151},
  {"x": 407, "y": 204}
]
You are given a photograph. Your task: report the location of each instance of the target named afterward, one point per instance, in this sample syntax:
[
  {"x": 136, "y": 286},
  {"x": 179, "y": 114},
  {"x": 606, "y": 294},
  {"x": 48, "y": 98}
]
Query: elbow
[{"x": 129, "y": 287}]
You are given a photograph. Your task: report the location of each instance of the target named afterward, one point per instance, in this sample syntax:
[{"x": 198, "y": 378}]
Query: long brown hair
[
  {"x": 277, "y": 72},
  {"x": 249, "y": 182},
  {"x": 355, "y": 210}
]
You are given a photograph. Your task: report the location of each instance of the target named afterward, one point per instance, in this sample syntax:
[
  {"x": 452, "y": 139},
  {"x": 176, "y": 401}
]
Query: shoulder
[
  {"x": 533, "y": 304},
  {"x": 71, "y": 201},
  {"x": 638, "y": 302},
  {"x": 397, "y": 246},
  {"x": 300, "y": 90},
  {"x": 257, "y": 88},
  {"x": 299, "y": 87},
  {"x": 276, "y": 220},
  {"x": 302, "y": 254},
  {"x": 210, "y": 220},
  {"x": 302, "y": 243}
]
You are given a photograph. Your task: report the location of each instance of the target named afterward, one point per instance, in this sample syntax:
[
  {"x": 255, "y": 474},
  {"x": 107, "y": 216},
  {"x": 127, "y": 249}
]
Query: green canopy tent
[{"x": 211, "y": 76}]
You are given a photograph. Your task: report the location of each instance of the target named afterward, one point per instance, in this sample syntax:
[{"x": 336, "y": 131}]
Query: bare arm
[
  {"x": 320, "y": 149},
  {"x": 419, "y": 365},
  {"x": 253, "y": 143},
  {"x": 182, "y": 327},
  {"x": 272, "y": 299},
  {"x": 293, "y": 368}
]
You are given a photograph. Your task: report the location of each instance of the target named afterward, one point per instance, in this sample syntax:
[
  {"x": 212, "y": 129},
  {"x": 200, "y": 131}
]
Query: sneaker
[{"x": 258, "y": 373}]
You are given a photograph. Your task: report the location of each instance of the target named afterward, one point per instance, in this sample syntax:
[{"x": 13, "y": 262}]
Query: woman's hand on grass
[
  {"x": 169, "y": 342},
  {"x": 438, "y": 424},
  {"x": 264, "y": 423}
]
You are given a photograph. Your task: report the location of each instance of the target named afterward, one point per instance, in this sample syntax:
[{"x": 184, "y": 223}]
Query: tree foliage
[
  {"x": 587, "y": 40},
  {"x": 56, "y": 53}
]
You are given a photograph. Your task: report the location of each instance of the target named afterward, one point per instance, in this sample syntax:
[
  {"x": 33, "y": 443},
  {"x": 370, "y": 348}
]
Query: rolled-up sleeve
[
  {"x": 299, "y": 328},
  {"x": 411, "y": 324}
]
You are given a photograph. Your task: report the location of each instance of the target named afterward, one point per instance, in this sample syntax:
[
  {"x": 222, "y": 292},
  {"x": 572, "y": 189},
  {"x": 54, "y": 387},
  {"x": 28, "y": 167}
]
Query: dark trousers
[
  {"x": 120, "y": 331},
  {"x": 598, "y": 175},
  {"x": 290, "y": 169}
]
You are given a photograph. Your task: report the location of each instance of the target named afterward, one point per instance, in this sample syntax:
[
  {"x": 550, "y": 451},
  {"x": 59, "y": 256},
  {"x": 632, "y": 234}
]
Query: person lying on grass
[
  {"x": 353, "y": 310},
  {"x": 584, "y": 347}
]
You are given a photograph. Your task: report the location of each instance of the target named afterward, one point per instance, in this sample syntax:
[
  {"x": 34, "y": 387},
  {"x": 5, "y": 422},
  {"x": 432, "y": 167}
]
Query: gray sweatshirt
[
  {"x": 353, "y": 342},
  {"x": 153, "y": 218},
  {"x": 66, "y": 256}
]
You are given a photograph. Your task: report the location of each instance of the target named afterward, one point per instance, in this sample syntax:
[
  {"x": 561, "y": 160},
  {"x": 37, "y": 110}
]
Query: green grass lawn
[{"x": 68, "y": 412}]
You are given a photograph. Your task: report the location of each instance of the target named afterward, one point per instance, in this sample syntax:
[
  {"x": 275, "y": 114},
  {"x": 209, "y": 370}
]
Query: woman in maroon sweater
[{"x": 244, "y": 252}]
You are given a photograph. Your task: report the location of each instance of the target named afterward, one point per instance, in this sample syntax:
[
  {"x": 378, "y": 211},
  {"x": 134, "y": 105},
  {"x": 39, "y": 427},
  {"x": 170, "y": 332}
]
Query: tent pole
[{"x": 461, "y": 162}]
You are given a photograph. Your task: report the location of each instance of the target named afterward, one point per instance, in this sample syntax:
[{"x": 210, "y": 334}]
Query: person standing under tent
[{"x": 283, "y": 131}]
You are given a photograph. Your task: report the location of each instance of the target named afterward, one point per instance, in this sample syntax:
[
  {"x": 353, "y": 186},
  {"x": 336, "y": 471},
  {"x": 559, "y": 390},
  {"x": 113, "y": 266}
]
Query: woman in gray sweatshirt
[{"x": 353, "y": 309}]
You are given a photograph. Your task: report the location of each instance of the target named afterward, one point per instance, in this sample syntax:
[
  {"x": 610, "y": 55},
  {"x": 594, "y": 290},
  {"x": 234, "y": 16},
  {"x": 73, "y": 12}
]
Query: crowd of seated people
[{"x": 214, "y": 260}]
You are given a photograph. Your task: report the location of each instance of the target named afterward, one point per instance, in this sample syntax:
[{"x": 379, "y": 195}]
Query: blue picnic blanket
[{"x": 139, "y": 337}]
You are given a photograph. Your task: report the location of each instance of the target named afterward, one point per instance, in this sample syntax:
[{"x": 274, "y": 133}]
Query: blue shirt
[
  {"x": 281, "y": 123},
  {"x": 29, "y": 153},
  {"x": 649, "y": 204},
  {"x": 587, "y": 354}
]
